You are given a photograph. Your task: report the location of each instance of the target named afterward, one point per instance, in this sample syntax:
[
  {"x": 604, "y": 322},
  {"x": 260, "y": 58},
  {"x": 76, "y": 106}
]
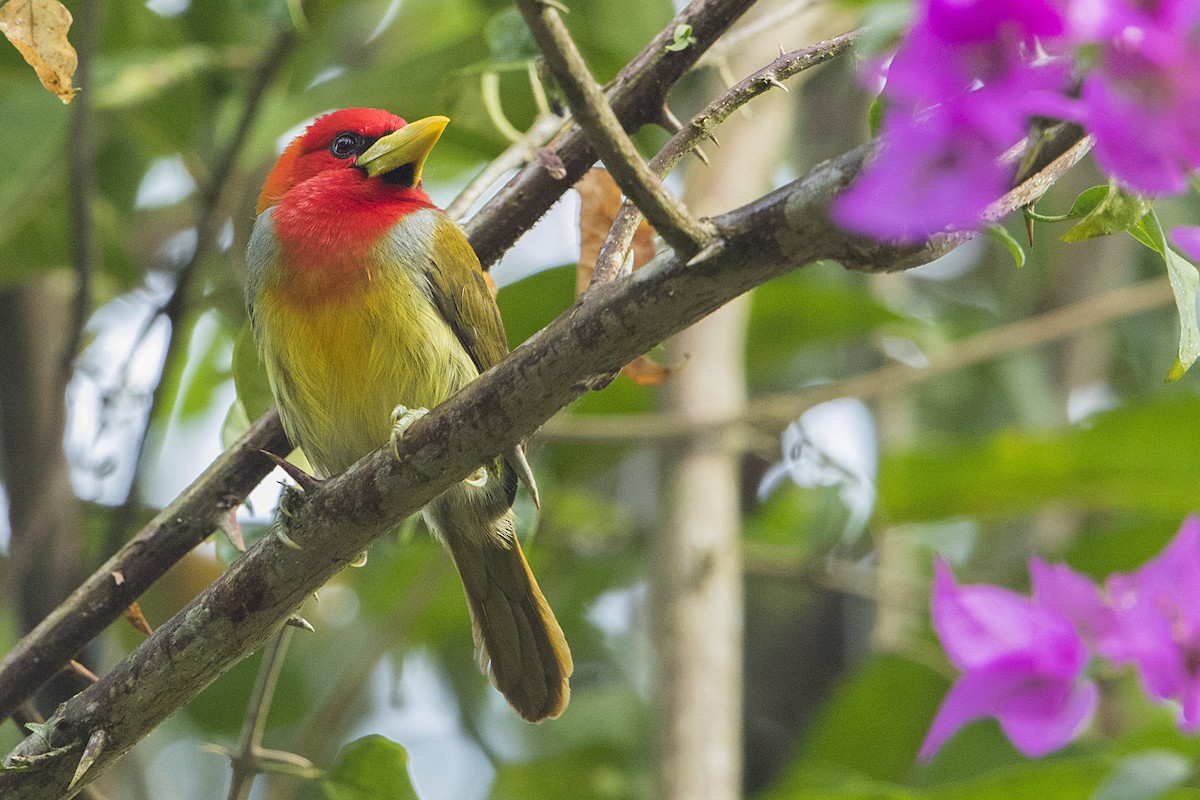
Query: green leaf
[
  {"x": 1087, "y": 201},
  {"x": 1145, "y": 776},
  {"x": 370, "y": 768},
  {"x": 1115, "y": 211},
  {"x": 1001, "y": 234},
  {"x": 1185, "y": 280},
  {"x": 508, "y": 37},
  {"x": 249, "y": 377},
  {"x": 875, "y": 115},
  {"x": 683, "y": 38},
  {"x": 1134, "y": 458}
]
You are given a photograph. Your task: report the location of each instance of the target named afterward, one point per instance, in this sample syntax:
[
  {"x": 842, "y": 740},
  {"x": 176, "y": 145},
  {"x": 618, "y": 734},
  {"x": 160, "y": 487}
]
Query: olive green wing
[{"x": 462, "y": 296}]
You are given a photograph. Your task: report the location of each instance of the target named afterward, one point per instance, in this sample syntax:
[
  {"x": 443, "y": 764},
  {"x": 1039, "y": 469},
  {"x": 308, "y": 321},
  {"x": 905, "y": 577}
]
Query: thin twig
[
  {"x": 636, "y": 95},
  {"x": 591, "y": 109},
  {"x": 615, "y": 250},
  {"x": 206, "y": 227},
  {"x": 330, "y": 715},
  {"x": 775, "y": 411},
  {"x": 517, "y": 155},
  {"x": 81, "y": 177},
  {"x": 247, "y": 759}
]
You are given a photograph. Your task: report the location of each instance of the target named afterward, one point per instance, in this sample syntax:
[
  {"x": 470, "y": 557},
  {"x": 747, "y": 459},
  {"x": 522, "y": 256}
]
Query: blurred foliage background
[{"x": 1062, "y": 439}]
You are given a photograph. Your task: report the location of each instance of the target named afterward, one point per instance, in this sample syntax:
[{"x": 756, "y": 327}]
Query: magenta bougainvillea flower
[
  {"x": 960, "y": 89},
  {"x": 1187, "y": 239},
  {"x": 1136, "y": 86},
  {"x": 1157, "y": 612},
  {"x": 1024, "y": 659},
  {"x": 1022, "y": 663}
]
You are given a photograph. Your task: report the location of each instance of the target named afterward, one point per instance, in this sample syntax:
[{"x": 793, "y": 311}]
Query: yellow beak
[{"x": 409, "y": 146}]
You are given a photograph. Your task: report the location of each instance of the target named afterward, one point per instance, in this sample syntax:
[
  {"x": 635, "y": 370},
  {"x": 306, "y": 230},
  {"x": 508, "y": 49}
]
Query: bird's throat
[{"x": 329, "y": 247}]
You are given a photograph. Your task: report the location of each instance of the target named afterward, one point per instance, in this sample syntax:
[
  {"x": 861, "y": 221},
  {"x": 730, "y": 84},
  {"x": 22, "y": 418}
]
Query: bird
[{"x": 368, "y": 306}]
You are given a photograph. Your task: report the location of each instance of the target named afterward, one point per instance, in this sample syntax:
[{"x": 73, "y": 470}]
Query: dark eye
[{"x": 345, "y": 144}]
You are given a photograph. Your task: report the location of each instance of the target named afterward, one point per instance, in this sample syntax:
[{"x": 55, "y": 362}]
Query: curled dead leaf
[
  {"x": 38, "y": 29},
  {"x": 137, "y": 619},
  {"x": 645, "y": 371},
  {"x": 600, "y": 201}
]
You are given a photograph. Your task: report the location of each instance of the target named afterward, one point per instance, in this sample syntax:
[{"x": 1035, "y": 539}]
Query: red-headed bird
[{"x": 367, "y": 301}]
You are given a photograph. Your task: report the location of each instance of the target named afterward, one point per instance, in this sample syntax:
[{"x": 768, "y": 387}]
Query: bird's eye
[{"x": 345, "y": 144}]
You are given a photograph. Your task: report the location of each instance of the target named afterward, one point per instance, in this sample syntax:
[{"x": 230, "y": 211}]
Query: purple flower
[
  {"x": 1132, "y": 22},
  {"x": 933, "y": 173},
  {"x": 1142, "y": 113},
  {"x": 962, "y": 21},
  {"x": 1076, "y": 597},
  {"x": 1157, "y": 612},
  {"x": 1022, "y": 663},
  {"x": 1187, "y": 239},
  {"x": 960, "y": 89}
]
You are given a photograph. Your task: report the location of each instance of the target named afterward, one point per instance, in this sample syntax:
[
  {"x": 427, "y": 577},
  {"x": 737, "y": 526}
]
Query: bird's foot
[
  {"x": 403, "y": 418},
  {"x": 478, "y": 478},
  {"x": 282, "y": 515}
]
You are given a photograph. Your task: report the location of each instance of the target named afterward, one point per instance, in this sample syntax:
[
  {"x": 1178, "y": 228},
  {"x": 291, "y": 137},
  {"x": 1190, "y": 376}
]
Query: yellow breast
[{"x": 339, "y": 367}]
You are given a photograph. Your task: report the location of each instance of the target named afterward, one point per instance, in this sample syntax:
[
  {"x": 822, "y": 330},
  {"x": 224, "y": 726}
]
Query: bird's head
[{"x": 355, "y": 152}]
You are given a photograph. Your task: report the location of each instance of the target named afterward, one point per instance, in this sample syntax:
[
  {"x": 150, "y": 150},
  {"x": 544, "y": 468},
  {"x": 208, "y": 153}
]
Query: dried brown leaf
[
  {"x": 137, "y": 619},
  {"x": 645, "y": 371},
  {"x": 600, "y": 200},
  {"x": 38, "y": 29}
]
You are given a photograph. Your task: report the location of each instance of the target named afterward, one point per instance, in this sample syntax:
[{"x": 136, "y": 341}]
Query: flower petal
[
  {"x": 1062, "y": 589},
  {"x": 980, "y": 625},
  {"x": 1041, "y": 719},
  {"x": 974, "y": 695}
]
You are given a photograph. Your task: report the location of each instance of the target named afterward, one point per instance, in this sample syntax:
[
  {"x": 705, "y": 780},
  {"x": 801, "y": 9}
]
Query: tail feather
[{"x": 518, "y": 642}]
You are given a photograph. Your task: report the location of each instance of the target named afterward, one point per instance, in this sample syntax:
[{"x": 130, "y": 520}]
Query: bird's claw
[
  {"x": 403, "y": 418},
  {"x": 478, "y": 478},
  {"x": 282, "y": 515}
]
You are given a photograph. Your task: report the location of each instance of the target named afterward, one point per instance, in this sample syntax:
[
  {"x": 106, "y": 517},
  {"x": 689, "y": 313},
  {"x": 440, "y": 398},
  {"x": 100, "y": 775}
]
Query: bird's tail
[{"x": 518, "y": 642}]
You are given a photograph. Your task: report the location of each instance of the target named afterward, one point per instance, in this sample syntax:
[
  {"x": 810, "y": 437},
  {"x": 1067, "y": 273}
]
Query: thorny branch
[
  {"x": 591, "y": 110},
  {"x": 616, "y": 246},
  {"x": 636, "y": 96}
]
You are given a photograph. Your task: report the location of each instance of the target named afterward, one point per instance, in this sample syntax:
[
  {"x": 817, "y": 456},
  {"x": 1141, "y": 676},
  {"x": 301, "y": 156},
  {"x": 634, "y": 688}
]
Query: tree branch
[
  {"x": 637, "y": 94},
  {"x": 616, "y": 245},
  {"x": 145, "y": 558},
  {"x": 517, "y": 155},
  {"x": 591, "y": 110},
  {"x": 612, "y": 324}
]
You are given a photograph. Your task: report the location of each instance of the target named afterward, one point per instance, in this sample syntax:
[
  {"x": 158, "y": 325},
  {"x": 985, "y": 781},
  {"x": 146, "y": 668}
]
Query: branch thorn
[
  {"x": 91, "y": 751},
  {"x": 297, "y": 621},
  {"x": 305, "y": 481}
]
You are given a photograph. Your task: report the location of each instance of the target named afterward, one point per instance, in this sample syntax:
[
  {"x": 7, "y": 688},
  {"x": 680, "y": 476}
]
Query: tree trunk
[{"x": 44, "y": 554}]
